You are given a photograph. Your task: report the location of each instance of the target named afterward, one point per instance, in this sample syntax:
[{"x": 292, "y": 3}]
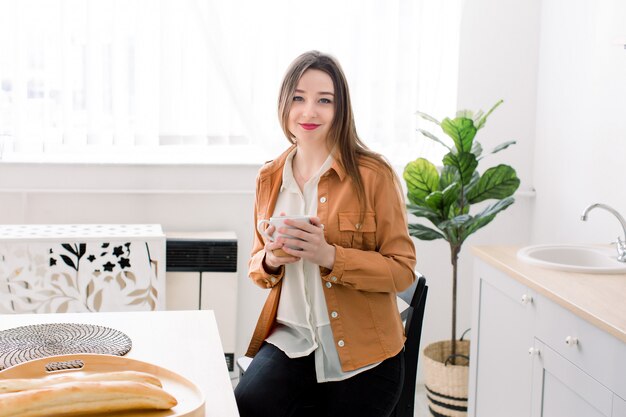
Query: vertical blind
[{"x": 111, "y": 76}]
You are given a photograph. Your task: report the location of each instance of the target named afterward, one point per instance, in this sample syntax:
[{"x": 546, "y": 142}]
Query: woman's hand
[
  {"x": 308, "y": 241},
  {"x": 275, "y": 257}
]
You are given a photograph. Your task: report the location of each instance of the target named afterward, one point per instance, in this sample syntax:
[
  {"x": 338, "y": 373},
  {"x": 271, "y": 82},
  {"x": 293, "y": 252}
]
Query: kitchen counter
[{"x": 598, "y": 299}]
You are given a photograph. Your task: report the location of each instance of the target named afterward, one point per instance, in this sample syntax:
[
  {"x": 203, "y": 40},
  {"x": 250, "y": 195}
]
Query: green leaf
[
  {"x": 428, "y": 117},
  {"x": 473, "y": 182},
  {"x": 453, "y": 211},
  {"x": 462, "y": 132},
  {"x": 449, "y": 174},
  {"x": 477, "y": 149},
  {"x": 451, "y": 195},
  {"x": 465, "y": 114},
  {"x": 421, "y": 211},
  {"x": 454, "y": 227},
  {"x": 477, "y": 116},
  {"x": 455, "y": 221},
  {"x": 464, "y": 162},
  {"x": 497, "y": 182},
  {"x": 483, "y": 120},
  {"x": 487, "y": 215},
  {"x": 500, "y": 147},
  {"x": 433, "y": 137},
  {"x": 423, "y": 232},
  {"x": 503, "y": 146},
  {"x": 435, "y": 201},
  {"x": 421, "y": 178}
]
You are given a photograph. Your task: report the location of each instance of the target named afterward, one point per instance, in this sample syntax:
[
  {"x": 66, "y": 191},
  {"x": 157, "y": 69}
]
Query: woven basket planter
[{"x": 446, "y": 384}]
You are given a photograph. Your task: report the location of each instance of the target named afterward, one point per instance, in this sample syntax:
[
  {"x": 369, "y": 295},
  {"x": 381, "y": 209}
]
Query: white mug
[{"x": 278, "y": 222}]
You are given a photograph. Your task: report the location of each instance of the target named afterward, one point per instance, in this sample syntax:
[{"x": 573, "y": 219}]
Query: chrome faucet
[{"x": 621, "y": 243}]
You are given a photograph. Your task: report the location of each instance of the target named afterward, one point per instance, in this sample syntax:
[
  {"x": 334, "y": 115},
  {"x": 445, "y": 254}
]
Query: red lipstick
[{"x": 309, "y": 126}]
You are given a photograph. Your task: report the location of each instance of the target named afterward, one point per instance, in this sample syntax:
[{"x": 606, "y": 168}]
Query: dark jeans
[{"x": 277, "y": 386}]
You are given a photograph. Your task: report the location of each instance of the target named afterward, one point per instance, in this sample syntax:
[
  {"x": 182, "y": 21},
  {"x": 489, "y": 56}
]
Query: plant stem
[{"x": 454, "y": 258}]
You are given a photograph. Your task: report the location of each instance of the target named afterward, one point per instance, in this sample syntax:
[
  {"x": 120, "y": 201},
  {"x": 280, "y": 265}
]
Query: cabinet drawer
[
  {"x": 596, "y": 352},
  {"x": 562, "y": 389}
]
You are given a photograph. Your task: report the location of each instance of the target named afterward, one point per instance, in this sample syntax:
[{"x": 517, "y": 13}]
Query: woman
[{"x": 329, "y": 333}]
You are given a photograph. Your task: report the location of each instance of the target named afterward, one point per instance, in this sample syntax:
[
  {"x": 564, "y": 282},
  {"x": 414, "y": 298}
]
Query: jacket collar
[{"x": 271, "y": 167}]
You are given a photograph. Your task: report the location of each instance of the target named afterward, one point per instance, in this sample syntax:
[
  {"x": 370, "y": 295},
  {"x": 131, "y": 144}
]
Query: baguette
[
  {"x": 77, "y": 398},
  {"x": 14, "y": 385}
]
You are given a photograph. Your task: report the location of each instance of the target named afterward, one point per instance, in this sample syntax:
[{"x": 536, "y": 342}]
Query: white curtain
[{"x": 202, "y": 76}]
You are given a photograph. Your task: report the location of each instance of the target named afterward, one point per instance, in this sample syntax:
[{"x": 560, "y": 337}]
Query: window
[{"x": 201, "y": 77}]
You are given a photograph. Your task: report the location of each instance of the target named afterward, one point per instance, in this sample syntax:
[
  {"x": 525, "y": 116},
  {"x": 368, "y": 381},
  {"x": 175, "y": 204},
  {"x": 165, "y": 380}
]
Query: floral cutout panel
[{"x": 81, "y": 268}]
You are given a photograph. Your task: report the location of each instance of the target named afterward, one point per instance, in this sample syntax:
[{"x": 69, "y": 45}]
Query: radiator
[{"x": 201, "y": 271}]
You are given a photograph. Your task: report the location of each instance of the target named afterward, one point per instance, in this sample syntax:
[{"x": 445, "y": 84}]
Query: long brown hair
[{"x": 342, "y": 136}]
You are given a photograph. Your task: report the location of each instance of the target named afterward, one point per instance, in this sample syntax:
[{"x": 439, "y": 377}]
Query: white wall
[{"x": 581, "y": 120}]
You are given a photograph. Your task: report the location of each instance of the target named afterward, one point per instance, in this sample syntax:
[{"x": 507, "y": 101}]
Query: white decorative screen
[{"x": 81, "y": 268}]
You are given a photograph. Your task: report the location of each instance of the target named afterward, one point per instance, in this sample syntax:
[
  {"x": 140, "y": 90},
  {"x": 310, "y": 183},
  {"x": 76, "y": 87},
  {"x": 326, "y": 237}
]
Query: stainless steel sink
[{"x": 573, "y": 258}]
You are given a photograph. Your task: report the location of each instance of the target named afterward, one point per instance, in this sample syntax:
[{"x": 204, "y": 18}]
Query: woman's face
[{"x": 313, "y": 107}]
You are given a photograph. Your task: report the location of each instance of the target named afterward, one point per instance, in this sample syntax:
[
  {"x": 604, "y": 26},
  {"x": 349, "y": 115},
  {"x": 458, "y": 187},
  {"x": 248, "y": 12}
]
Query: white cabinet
[
  {"x": 619, "y": 407},
  {"x": 502, "y": 332},
  {"x": 534, "y": 358}
]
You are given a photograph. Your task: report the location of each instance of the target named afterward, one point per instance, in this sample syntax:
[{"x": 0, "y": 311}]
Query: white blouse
[{"x": 302, "y": 319}]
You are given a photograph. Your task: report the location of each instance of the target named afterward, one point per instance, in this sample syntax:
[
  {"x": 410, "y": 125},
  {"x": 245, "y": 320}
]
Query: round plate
[
  {"x": 190, "y": 399},
  {"x": 25, "y": 343}
]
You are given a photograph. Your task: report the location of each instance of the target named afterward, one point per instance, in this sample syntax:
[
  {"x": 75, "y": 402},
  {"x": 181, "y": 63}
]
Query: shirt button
[
  {"x": 323, "y": 200},
  {"x": 358, "y": 226},
  {"x": 328, "y": 285},
  {"x": 322, "y": 226},
  {"x": 340, "y": 343},
  {"x": 333, "y": 279},
  {"x": 334, "y": 314}
]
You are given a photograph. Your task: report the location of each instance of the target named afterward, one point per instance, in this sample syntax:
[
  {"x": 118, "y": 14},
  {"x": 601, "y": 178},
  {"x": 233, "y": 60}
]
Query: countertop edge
[{"x": 522, "y": 273}]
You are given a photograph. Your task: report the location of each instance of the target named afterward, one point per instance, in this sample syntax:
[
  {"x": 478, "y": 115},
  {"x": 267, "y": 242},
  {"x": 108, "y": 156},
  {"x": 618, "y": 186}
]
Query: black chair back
[{"x": 415, "y": 296}]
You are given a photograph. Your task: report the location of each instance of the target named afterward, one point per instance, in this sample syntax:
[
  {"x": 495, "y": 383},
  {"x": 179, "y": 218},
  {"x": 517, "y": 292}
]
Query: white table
[{"x": 185, "y": 342}]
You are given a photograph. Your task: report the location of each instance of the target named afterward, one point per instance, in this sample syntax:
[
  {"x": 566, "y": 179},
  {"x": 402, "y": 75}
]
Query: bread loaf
[
  {"x": 84, "y": 397},
  {"x": 14, "y": 385}
]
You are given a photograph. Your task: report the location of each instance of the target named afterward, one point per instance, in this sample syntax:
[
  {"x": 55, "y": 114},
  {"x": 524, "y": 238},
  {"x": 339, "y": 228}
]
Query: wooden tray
[{"x": 190, "y": 399}]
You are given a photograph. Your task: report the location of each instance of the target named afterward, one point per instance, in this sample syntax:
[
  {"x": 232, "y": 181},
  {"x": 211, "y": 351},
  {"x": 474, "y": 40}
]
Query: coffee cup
[{"x": 278, "y": 222}]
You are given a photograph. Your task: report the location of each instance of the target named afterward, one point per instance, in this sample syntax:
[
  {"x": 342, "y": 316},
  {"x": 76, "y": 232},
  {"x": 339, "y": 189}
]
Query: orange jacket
[{"x": 374, "y": 259}]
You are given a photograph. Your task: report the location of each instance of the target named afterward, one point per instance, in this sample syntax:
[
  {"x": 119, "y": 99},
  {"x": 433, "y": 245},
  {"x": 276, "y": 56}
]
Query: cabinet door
[
  {"x": 562, "y": 389},
  {"x": 501, "y": 369}
]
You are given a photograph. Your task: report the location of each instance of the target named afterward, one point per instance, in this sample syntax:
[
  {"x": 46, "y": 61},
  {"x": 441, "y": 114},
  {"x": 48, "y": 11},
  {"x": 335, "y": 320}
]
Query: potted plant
[{"x": 444, "y": 197}]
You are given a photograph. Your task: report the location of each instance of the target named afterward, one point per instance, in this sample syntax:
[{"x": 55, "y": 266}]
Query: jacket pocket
[{"x": 356, "y": 233}]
